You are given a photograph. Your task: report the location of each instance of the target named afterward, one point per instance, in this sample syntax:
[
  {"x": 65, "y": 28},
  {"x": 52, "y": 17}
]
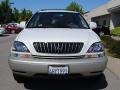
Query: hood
[{"x": 54, "y": 35}]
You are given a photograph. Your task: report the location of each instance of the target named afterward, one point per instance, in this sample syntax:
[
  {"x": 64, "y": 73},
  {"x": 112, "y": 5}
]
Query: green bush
[
  {"x": 116, "y": 31},
  {"x": 112, "y": 45}
]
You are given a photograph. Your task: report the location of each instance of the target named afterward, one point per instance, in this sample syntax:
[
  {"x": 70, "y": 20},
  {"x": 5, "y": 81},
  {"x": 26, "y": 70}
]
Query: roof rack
[{"x": 51, "y": 9}]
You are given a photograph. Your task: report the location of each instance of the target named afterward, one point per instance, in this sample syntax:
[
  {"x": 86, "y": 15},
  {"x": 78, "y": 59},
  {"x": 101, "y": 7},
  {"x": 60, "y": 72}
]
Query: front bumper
[{"x": 33, "y": 66}]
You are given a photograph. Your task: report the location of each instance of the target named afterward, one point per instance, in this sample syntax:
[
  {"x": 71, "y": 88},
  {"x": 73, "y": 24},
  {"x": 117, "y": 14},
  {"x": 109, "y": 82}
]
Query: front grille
[{"x": 58, "y": 47}]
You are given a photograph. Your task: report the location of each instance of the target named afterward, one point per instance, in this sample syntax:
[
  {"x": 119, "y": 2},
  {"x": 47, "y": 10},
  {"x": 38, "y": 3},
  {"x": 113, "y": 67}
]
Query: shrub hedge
[
  {"x": 112, "y": 46},
  {"x": 116, "y": 31}
]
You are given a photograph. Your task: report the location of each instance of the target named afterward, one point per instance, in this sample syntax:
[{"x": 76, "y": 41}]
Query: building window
[
  {"x": 104, "y": 22},
  {"x": 97, "y": 22}
]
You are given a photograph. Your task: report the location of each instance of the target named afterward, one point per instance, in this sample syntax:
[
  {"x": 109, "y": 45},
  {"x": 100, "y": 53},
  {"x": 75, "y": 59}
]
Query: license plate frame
[{"x": 58, "y": 69}]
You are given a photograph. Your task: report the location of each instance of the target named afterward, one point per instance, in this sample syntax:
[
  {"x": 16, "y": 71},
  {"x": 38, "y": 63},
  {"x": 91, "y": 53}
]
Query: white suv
[{"x": 57, "y": 43}]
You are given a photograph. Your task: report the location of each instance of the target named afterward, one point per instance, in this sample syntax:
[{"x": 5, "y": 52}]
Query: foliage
[
  {"x": 112, "y": 45},
  {"x": 7, "y": 14},
  {"x": 116, "y": 31},
  {"x": 4, "y": 11},
  {"x": 73, "y": 6},
  {"x": 16, "y": 15},
  {"x": 24, "y": 15}
]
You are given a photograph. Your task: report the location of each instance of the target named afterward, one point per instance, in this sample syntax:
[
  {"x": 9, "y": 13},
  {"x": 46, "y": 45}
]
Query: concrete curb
[
  {"x": 114, "y": 65},
  {"x": 116, "y": 37}
]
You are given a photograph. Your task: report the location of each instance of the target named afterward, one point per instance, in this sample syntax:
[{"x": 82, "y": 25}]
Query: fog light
[
  {"x": 20, "y": 55},
  {"x": 25, "y": 56},
  {"x": 91, "y": 56},
  {"x": 94, "y": 55}
]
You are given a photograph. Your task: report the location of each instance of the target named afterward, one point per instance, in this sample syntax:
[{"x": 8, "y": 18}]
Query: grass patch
[
  {"x": 116, "y": 31},
  {"x": 112, "y": 46}
]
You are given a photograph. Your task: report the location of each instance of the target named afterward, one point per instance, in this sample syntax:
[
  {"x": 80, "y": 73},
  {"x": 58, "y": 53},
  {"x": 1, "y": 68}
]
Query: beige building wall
[
  {"x": 109, "y": 13},
  {"x": 115, "y": 20},
  {"x": 102, "y": 10},
  {"x": 102, "y": 20},
  {"x": 113, "y": 3}
]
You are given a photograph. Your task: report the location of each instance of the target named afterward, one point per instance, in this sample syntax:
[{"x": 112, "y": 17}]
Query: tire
[
  {"x": 13, "y": 32},
  {"x": 98, "y": 78},
  {"x": 101, "y": 33},
  {"x": 20, "y": 78}
]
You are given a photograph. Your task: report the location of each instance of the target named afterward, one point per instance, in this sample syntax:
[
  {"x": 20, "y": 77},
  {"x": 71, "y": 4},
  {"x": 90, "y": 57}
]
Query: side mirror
[
  {"x": 93, "y": 25},
  {"x": 23, "y": 24}
]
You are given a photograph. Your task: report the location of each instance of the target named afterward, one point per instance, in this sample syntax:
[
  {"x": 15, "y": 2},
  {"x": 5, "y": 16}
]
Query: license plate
[{"x": 58, "y": 70}]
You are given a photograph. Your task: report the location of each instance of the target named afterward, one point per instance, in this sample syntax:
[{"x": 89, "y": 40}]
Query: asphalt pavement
[{"x": 109, "y": 80}]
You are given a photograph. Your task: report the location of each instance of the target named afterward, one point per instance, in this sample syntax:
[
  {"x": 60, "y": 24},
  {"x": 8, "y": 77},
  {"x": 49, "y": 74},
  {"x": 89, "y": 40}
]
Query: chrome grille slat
[
  {"x": 72, "y": 47},
  {"x": 58, "y": 47},
  {"x": 69, "y": 47},
  {"x": 40, "y": 47},
  {"x": 75, "y": 47},
  {"x": 55, "y": 47},
  {"x": 44, "y": 47},
  {"x": 65, "y": 47},
  {"x": 48, "y": 48},
  {"x": 79, "y": 46},
  {"x": 62, "y": 48}
]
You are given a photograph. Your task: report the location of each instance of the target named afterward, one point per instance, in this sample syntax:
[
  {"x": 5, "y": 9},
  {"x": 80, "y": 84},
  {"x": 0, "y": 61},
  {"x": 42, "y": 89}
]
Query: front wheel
[{"x": 98, "y": 78}]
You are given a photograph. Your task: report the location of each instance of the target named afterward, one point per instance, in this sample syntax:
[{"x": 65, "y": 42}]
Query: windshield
[{"x": 57, "y": 20}]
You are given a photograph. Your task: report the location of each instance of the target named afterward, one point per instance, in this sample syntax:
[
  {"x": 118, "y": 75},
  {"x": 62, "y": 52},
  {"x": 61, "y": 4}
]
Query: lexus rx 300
[{"x": 57, "y": 43}]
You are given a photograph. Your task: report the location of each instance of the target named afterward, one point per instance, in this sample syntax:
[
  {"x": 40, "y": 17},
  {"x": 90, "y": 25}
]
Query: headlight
[
  {"x": 96, "y": 50},
  {"x": 19, "y": 47},
  {"x": 96, "y": 47}
]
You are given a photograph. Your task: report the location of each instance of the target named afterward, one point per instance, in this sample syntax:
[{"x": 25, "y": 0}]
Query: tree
[
  {"x": 73, "y": 6},
  {"x": 7, "y": 14},
  {"x": 5, "y": 11},
  {"x": 29, "y": 14},
  {"x": 25, "y": 15},
  {"x": 16, "y": 15}
]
